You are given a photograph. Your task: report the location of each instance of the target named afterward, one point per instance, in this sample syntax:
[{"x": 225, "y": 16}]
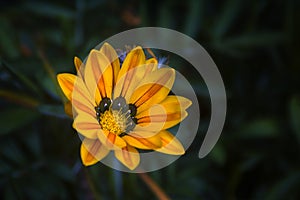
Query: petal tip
[
  {"x": 129, "y": 157},
  {"x": 77, "y": 63}
]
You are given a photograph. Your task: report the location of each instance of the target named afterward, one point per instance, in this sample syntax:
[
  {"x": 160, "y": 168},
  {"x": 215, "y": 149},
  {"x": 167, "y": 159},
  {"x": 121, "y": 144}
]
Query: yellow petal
[
  {"x": 152, "y": 124},
  {"x": 141, "y": 73},
  {"x": 136, "y": 140},
  {"x": 85, "y": 121},
  {"x": 130, "y": 73},
  {"x": 113, "y": 58},
  {"x": 66, "y": 83},
  {"x": 151, "y": 65},
  {"x": 170, "y": 144},
  {"x": 86, "y": 125},
  {"x": 68, "y": 109},
  {"x": 98, "y": 75},
  {"x": 153, "y": 89},
  {"x": 137, "y": 74},
  {"x": 77, "y": 63},
  {"x": 111, "y": 140},
  {"x": 92, "y": 151},
  {"x": 128, "y": 156},
  {"x": 82, "y": 101},
  {"x": 152, "y": 61},
  {"x": 162, "y": 116}
]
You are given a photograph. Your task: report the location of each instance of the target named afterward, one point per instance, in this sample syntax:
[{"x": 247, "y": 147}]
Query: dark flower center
[{"x": 116, "y": 116}]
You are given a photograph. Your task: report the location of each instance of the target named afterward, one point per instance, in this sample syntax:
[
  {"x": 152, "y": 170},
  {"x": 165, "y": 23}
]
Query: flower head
[{"x": 123, "y": 107}]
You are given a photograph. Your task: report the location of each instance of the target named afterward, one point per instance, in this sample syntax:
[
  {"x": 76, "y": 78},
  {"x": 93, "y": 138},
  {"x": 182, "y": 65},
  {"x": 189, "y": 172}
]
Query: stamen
[
  {"x": 131, "y": 124},
  {"x": 112, "y": 122},
  {"x": 116, "y": 116},
  {"x": 120, "y": 104}
]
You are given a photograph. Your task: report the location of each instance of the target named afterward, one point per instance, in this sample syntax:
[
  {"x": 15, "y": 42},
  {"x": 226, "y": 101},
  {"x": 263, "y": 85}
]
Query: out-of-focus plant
[{"x": 255, "y": 46}]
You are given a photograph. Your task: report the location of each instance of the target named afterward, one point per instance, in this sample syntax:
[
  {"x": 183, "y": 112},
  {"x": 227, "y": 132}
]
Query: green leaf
[
  {"x": 50, "y": 87},
  {"x": 10, "y": 193},
  {"x": 283, "y": 188},
  {"x": 218, "y": 154},
  {"x": 4, "y": 169},
  {"x": 62, "y": 171},
  {"x": 52, "y": 110},
  {"x": 13, "y": 154},
  {"x": 50, "y": 81},
  {"x": 33, "y": 143},
  {"x": 49, "y": 10},
  {"x": 251, "y": 162},
  {"x": 250, "y": 40},
  {"x": 91, "y": 4},
  {"x": 19, "y": 99},
  {"x": 42, "y": 186},
  {"x": 241, "y": 45},
  {"x": 294, "y": 111},
  {"x": 20, "y": 76},
  {"x": 16, "y": 118},
  {"x": 8, "y": 44},
  {"x": 260, "y": 128},
  {"x": 226, "y": 18},
  {"x": 165, "y": 15},
  {"x": 194, "y": 18}
]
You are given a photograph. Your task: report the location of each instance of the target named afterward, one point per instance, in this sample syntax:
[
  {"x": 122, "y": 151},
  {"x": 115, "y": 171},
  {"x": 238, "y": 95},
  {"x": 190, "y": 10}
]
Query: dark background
[{"x": 255, "y": 45}]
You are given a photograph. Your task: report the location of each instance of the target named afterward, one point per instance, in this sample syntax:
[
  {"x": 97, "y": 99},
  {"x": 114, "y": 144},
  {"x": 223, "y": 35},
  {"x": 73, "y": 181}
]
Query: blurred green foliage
[{"x": 255, "y": 44}]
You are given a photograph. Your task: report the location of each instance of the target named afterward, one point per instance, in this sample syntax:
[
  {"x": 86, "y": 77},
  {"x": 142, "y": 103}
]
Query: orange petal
[
  {"x": 86, "y": 125},
  {"x": 98, "y": 75},
  {"x": 137, "y": 74},
  {"x": 111, "y": 140},
  {"x": 82, "y": 101},
  {"x": 168, "y": 113},
  {"x": 141, "y": 73},
  {"x": 152, "y": 61},
  {"x": 66, "y": 83},
  {"x": 151, "y": 65},
  {"x": 129, "y": 74},
  {"x": 170, "y": 144},
  {"x": 140, "y": 142},
  {"x": 68, "y": 109},
  {"x": 153, "y": 89},
  {"x": 92, "y": 151},
  {"x": 85, "y": 121},
  {"x": 128, "y": 156},
  {"x": 113, "y": 58},
  {"x": 77, "y": 63}
]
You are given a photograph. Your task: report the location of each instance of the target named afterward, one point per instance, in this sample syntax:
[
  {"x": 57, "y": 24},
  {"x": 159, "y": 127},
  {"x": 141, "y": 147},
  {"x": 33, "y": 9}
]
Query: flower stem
[{"x": 160, "y": 194}]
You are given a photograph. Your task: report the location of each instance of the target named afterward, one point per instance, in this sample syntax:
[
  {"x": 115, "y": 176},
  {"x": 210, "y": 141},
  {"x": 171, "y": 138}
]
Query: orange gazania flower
[{"x": 123, "y": 108}]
